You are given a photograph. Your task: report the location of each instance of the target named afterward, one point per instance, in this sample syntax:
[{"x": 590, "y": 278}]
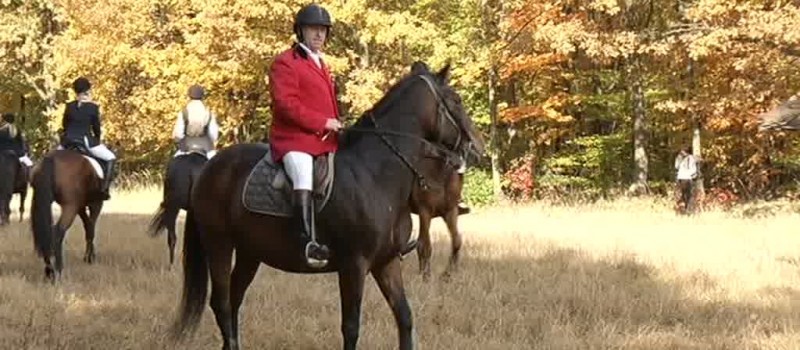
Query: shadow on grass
[
  {"x": 560, "y": 299},
  {"x": 120, "y": 241},
  {"x": 563, "y": 299}
]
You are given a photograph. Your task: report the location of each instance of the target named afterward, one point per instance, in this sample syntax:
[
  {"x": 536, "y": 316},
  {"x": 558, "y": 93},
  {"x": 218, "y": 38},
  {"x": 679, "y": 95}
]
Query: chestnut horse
[
  {"x": 67, "y": 178},
  {"x": 439, "y": 200}
]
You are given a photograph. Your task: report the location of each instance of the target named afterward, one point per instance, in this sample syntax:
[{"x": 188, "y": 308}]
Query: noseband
[{"x": 443, "y": 116}]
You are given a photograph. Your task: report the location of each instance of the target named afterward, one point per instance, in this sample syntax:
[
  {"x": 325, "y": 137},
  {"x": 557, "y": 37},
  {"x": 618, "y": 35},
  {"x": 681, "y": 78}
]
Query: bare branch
[
  {"x": 790, "y": 51},
  {"x": 32, "y": 82}
]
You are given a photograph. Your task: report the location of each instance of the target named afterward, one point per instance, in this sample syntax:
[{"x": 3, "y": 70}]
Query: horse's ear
[
  {"x": 444, "y": 74},
  {"x": 419, "y": 67}
]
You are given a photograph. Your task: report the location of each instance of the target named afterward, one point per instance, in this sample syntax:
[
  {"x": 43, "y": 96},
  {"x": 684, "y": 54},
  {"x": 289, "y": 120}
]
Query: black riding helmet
[
  {"x": 311, "y": 14},
  {"x": 196, "y": 92},
  {"x": 81, "y": 85}
]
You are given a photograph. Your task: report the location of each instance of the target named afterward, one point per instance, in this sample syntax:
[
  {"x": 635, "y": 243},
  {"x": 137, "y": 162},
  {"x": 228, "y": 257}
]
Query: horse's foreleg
[
  {"x": 390, "y": 280},
  {"x": 424, "y": 250},
  {"x": 451, "y": 219},
  {"x": 219, "y": 263},
  {"x": 351, "y": 291},
  {"x": 243, "y": 274}
]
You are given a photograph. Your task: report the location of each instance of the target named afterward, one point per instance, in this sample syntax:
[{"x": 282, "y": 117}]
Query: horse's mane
[{"x": 391, "y": 96}]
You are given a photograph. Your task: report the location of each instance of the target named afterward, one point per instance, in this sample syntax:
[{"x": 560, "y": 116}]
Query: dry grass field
[{"x": 618, "y": 275}]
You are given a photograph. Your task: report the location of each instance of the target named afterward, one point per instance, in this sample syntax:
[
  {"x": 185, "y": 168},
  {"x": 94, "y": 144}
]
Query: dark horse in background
[
  {"x": 182, "y": 172},
  {"x": 67, "y": 178},
  {"x": 13, "y": 179},
  {"x": 785, "y": 116},
  {"x": 366, "y": 222}
]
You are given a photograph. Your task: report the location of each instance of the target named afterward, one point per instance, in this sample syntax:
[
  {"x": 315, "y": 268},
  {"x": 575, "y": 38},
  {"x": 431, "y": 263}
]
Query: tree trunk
[
  {"x": 493, "y": 139},
  {"x": 697, "y": 127},
  {"x": 640, "y": 130},
  {"x": 698, "y": 154},
  {"x": 489, "y": 34},
  {"x": 364, "y": 54}
]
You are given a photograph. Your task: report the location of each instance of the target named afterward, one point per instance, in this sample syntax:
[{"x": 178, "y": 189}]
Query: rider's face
[{"x": 314, "y": 36}]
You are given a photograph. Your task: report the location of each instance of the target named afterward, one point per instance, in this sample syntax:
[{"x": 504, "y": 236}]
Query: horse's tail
[
  {"x": 176, "y": 196},
  {"x": 195, "y": 278},
  {"x": 158, "y": 222},
  {"x": 167, "y": 213},
  {"x": 43, "y": 183}
]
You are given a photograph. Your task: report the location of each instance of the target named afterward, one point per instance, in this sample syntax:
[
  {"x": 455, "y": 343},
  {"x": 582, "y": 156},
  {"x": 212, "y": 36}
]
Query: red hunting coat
[{"x": 303, "y": 99}]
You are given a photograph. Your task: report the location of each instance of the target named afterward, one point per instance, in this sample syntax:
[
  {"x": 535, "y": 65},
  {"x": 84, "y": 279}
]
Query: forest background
[{"x": 576, "y": 99}]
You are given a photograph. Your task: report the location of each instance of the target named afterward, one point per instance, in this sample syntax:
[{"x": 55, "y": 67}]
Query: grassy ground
[{"x": 623, "y": 274}]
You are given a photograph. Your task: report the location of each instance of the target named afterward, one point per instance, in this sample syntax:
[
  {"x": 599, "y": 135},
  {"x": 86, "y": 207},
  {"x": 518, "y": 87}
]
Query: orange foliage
[{"x": 547, "y": 110}]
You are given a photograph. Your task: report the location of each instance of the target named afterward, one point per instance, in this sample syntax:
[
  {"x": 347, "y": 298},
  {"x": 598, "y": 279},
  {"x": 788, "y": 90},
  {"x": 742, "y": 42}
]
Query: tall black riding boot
[
  {"x": 108, "y": 177},
  {"x": 316, "y": 254}
]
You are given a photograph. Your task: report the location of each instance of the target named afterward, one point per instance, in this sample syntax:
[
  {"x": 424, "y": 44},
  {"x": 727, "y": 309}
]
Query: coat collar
[{"x": 322, "y": 71}]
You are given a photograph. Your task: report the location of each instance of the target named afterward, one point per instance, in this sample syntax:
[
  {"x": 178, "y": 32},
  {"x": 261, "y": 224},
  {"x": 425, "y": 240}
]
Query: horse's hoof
[
  {"x": 52, "y": 276},
  {"x": 426, "y": 275},
  {"x": 447, "y": 276},
  {"x": 89, "y": 258}
]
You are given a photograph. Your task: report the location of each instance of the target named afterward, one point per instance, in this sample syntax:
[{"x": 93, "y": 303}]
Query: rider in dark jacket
[
  {"x": 12, "y": 139},
  {"x": 81, "y": 125}
]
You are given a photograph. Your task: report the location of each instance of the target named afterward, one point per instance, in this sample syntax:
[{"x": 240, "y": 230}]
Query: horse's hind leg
[
  {"x": 49, "y": 269},
  {"x": 22, "y": 196},
  {"x": 89, "y": 226},
  {"x": 424, "y": 249},
  {"x": 390, "y": 280},
  {"x": 243, "y": 274},
  {"x": 68, "y": 213},
  {"x": 451, "y": 219},
  {"x": 219, "y": 263},
  {"x": 171, "y": 216}
]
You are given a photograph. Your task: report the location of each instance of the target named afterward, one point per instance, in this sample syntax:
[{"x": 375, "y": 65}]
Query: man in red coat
[{"x": 304, "y": 117}]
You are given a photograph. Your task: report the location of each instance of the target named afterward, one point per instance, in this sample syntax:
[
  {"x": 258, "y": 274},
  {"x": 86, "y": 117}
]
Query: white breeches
[
  {"x": 300, "y": 168},
  {"x": 25, "y": 160},
  {"x": 102, "y": 152},
  {"x": 99, "y": 151}
]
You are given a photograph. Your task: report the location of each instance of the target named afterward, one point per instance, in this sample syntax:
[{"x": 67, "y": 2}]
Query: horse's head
[
  {"x": 444, "y": 120},
  {"x": 785, "y": 116},
  {"x": 421, "y": 106}
]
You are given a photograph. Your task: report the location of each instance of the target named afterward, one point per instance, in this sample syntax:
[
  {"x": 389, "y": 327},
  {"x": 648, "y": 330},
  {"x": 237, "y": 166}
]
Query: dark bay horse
[
  {"x": 439, "y": 200},
  {"x": 67, "y": 178},
  {"x": 366, "y": 222},
  {"x": 182, "y": 172},
  {"x": 13, "y": 179}
]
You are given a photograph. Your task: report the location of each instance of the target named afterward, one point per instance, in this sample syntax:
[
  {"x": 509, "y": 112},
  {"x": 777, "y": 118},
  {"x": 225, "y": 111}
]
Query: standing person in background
[{"x": 686, "y": 167}]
